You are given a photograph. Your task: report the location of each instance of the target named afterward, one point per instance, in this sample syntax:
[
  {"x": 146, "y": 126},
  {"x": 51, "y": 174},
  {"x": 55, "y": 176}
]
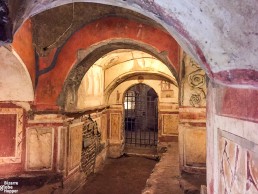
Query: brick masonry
[{"x": 91, "y": 145}]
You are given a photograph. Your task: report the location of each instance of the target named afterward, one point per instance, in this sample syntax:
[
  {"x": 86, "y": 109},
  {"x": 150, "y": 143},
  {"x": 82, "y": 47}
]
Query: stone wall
[
  {"x": 91, "y": 145},
  {"x": 50, "y": 143},
  {"x": 86, "y": 150}
]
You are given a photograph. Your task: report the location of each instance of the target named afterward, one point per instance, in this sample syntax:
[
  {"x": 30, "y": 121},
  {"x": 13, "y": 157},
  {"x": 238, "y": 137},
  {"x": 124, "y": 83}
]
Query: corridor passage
[{"x": 125, "y": 175}]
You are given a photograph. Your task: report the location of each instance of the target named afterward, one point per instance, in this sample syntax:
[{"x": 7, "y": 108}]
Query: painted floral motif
[
  {"x": 195, "y": 100},
  {"x": 197, "y": 82},
  {"x": 194, "y": 83}
]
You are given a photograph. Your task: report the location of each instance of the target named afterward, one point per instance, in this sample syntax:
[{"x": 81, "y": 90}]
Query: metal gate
[{"x": 141, "y": 116}]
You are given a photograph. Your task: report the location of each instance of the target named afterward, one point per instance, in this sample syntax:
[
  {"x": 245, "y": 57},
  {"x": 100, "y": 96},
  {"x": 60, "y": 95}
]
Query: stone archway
[
  {"x": 90, "y": 56},
  {"x": 209, "y": 30}
]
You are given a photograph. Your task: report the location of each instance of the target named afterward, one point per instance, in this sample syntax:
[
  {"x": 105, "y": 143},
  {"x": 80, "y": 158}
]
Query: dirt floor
[{"x": 125, "y": 175}]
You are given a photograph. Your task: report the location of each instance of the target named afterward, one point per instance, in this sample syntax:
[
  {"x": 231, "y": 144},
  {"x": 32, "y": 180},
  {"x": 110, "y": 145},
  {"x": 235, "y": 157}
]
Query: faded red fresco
[
  {"x": 240, "y": 103},
  {"x": 50, "y": 84},
  {"x": 22, "y": 44},
  {"x": 7, "y": 132},
  {"x": 7, "y": 135}
]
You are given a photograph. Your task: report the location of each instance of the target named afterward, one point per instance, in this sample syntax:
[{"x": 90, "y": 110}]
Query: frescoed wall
[
  {"x": 91, "y": 90},
  {"x": 231, "y": 159},
  {"x": 15, "y": 80},
  {"x": 192, "y": 116}
]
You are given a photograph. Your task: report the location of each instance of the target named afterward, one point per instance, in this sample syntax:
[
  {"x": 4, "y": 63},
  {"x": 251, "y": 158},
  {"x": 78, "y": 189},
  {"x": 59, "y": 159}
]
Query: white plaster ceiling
[{"x": 131, "y": 60}]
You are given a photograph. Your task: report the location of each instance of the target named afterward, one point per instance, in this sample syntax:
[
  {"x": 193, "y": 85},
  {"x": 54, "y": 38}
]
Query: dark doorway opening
[{"x": 141, "y": 116}]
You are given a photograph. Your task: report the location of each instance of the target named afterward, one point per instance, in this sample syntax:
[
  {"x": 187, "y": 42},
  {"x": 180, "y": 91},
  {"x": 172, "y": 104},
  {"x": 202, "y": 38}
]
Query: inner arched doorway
[{"x": 141, "y": 116}]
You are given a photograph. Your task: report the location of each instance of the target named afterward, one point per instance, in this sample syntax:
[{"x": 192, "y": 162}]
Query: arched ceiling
[
  {"x": 220, "y": 35},
  {"x": 113, "y": 69},
  {"x": 67, "y": 64},
  {"x": 51, "y": 68},
  {"x": 120, "y": 64},
  {"x": 15, "y": 81},
  {"x": 53, "y": 27}
]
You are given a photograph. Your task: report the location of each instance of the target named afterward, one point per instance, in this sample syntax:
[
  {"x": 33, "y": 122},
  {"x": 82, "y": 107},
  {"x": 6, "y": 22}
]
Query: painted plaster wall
[
  {"x": 193, "y": 83},
  {"x": 107, "y": 29},
  {"x": 39, "y": 148},
  {"x": 33, "y": 140},
  {"x": 24, "y": 48},
  {"x": 192, "y": 139},
  {"x": 115, "y": 133},
  {"x": 192, "y": 116},
  {"x": 12, "y": 158},
  {"x": 15, "y": 81},
  {"x": 118, "y": 64},
  {"x": 91, "y": 90},
  {"x": 237, "y": 161},
  {"x": 42, "y": 142},
  {"x": 231, "y": 144}
]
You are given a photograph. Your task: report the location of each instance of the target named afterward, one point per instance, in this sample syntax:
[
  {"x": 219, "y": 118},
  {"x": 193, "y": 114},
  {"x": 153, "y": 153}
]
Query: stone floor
[
  {"x": 165, "y": 176},
  {"x": 132, "y": 174},
  {"x": 125, "y": 175},
  {"x": 137, "y": 175}
]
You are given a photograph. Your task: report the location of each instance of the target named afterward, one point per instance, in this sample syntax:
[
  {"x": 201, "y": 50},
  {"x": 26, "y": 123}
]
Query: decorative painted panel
[
  {"x": 166, "y": 90},
  {"x": 90, "y": 92},
  {"x": 62, "y": 148},
  {"x": 104, "y": 127},
  {"x": 11, "y": 126},
  {"x": 238, "y": 168},
  {"x": 193, "y": 91},
  {"x": 75, "y": 145},
  {"x": 7, "y": 135},
  {"x": 170, "y": 124},
  {"x": 115, "y": 125},
  {"x": 39, "y": 148},
  {"x": 192, "y": 148},
  {"x": 252, "y": 173}
]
